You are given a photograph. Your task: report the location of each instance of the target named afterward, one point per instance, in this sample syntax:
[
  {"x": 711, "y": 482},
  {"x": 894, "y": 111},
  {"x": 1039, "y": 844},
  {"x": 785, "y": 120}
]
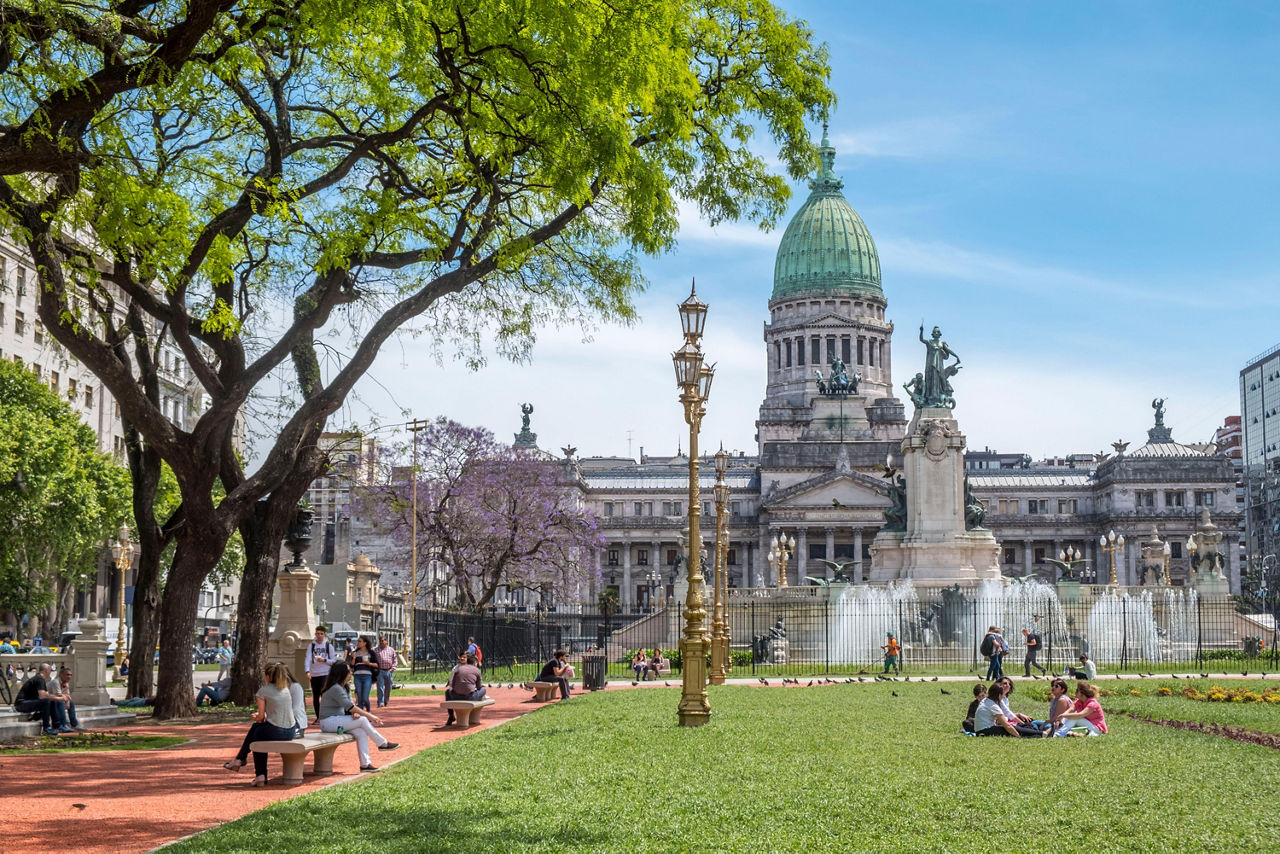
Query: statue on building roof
[
  {"x": 526, "y": 438},
  {"x": 1159, "y": 434},
  {"x": 839, "y": 382}
]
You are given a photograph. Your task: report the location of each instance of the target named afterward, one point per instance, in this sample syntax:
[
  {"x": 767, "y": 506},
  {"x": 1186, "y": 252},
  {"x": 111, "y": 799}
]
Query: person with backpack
[
  {"x": 473, "y": 648},
  {"x": 990, "y": 649},
  {"x": 321, "y": 656},
  {"x": 1032, "y": 642}
]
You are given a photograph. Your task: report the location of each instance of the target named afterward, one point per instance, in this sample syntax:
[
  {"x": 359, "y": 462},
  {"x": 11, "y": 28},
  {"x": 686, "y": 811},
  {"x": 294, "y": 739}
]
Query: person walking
[
  {"x": 1031, "y": 640},
  {"x": 338, "y": 713},
  {"x": 321, "y": 656},
  {"x": 385, "y": 655},
  {"x": 364, "y": 668},
  {"x": 991, "y": 649},
  {"x": 225, "y": 656},
  {"x": 891, "y": 649}
]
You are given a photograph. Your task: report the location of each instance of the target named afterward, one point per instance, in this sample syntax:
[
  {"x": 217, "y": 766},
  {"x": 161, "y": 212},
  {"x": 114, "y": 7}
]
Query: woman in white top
[
  {"x": 274, "y": 720},
  {"x": 337, "y": 711}
]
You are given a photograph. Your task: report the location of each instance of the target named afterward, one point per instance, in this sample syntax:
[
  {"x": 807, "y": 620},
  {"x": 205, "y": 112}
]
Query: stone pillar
[
  {"x": 831, "y": 551},
  {"x": 766, "y": 571},
  {"x": 857, "y": 555},
  {"x": 802, "y": 556},
  {"x": 296, "y": 621},
  {"x": 1027, "y": 552},
  {"x": 628, "y": 591},
  {"x": 89, "y": 664},
  {"x": 1130, "y": 575},
  {"x": 1057, "y": 548},
  {"x": 655, "y": 565}
]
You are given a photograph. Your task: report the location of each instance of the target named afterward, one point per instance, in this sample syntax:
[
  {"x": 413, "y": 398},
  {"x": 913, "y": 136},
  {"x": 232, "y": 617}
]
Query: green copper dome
[{"x": 826, "y": 247}]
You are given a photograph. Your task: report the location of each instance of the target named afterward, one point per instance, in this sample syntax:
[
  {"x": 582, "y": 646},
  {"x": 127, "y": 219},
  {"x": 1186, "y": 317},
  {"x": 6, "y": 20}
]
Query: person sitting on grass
[
  {"x": 338, "y": 712},
  {"x": 273, "y": 720},
  {"x": 555, "y": 670},
  {"x": 214, "y": 692},
  {"x": 979, "y": 694},
  {"x": 989, "y": 718},
  {"x": 1087, "y": 670},
  {"x": 1085, "y": 712},
  {"x": 1024, "y": 723},
  {"x": 464, "y": 683},
  {"x": 1059, "y": 700}
]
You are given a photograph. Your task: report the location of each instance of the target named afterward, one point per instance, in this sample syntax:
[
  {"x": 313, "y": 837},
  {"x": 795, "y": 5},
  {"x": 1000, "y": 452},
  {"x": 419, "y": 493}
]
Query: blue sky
[{"x": 1083, "y": 196}]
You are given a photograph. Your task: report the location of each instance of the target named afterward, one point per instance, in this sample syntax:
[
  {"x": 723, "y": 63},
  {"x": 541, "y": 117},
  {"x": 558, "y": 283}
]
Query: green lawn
[
  {"x": 833, "y": 768},
  {"x": 1263, "y": 717}
]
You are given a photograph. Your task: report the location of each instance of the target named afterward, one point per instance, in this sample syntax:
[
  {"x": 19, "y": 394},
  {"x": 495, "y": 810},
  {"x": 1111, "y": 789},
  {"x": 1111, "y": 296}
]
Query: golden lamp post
[
  {"x": 719, "y": 621},
  {"x": 694, "y": 380},
  {"x": 1112, "y": 544},
  {"x": 122, "y": 553},
  {"x": 780, "y": 551}
]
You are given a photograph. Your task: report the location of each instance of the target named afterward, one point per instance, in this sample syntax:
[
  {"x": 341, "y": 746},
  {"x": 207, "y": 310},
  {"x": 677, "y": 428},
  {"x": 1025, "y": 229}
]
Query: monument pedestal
[
  {"x": 296, "y": 620},
  {"x": 936, "y": 549}
]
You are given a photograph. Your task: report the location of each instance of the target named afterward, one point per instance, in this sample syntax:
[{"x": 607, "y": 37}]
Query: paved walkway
[{"x": 115, "y": 801}]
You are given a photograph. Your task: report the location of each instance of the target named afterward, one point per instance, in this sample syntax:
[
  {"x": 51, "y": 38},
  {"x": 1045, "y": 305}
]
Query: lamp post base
[{"x": 694, "y": 708}]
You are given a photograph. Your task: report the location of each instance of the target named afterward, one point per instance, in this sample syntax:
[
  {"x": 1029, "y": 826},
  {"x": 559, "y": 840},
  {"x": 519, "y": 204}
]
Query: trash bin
[{"x": 595, "y": 672}]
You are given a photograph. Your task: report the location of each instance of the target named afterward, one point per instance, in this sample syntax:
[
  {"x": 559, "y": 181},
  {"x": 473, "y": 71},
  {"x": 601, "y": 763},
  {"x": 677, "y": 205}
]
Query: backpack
[
  {"x": 988, "y": 645},
  {"x": 479, "y": 656}
]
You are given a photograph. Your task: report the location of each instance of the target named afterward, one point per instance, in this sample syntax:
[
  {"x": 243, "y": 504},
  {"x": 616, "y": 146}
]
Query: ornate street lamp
[
  {"x": 780, "y": 551},
  {"x": 122, "y": 553},
  {"x": 694, "y": 380},
  {"x": 1168, "y": 553},
  {"x": 1112, "y": 544},
  {"x": 719, "y": 623}
]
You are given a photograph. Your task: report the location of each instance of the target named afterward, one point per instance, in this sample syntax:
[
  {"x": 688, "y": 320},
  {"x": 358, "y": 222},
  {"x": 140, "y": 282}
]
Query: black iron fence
[{"x": 815, "y": 631}]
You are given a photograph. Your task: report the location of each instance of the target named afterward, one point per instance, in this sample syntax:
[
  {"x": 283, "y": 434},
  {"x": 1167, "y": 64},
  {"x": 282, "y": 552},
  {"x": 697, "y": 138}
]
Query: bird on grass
[
  {"x": 945, "y": 691},
  {"x": 1176, "y": 676},
  {"x": 894, "y": 693},
  {"x": 764, "y": 681},
  {"x": 433, "y": 687},
  {"x": 1204, "y": 675},
  {"x": 1142, "y": 676},
  {"x": 635, "y": 683},
  {"x": 810, "y": 685},
  {"x": 668, "y": 684},
  {"x": 1244, "y": 673},
  {"x": 860, "y": 679},
  {"x": 934, "y": 679}
]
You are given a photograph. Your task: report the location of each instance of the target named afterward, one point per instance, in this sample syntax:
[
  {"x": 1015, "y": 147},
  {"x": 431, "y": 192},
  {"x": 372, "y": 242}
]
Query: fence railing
[{"x": 810, "y": 633}]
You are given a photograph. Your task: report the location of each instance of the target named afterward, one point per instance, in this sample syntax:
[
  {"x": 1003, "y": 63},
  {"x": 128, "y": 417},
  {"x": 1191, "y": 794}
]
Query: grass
[
  {"x": 1262, "y": 717},
  {"x": 832, "y": 768},
  {"x": 93, "y": 742}
]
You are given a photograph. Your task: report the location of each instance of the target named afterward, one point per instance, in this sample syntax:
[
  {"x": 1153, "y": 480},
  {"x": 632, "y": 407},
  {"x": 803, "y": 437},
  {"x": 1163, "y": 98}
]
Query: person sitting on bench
[
  {"x": 38, "y": 694},
  {"x": 464, "y": 683},
  {"x": 555, "y": 670}
]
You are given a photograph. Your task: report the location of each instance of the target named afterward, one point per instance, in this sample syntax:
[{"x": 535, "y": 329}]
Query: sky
[{"x": 1082, "y": 196}]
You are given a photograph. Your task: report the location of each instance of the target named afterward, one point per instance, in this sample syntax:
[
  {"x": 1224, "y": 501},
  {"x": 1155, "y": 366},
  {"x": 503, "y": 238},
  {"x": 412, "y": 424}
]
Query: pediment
[{"x": 832, "y": 489}]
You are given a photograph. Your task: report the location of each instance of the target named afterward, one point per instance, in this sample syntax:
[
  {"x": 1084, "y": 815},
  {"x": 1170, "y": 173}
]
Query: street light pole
[
  {"x": 122, "y": 553},
  {"x": 780, "y": 550},
  {"x": 719, "y": 633},
  {"x": 411, "y": 649},
  {"x": 694, "y": 380},
  {"x": 1112, "y": 544}
]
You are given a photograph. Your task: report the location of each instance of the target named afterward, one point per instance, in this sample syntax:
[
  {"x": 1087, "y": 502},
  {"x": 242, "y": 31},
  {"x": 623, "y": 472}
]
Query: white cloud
[{"x": 922, "y": 136}]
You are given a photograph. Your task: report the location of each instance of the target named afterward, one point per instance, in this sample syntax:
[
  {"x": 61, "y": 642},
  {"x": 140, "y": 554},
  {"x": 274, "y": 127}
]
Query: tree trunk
[
  {"x": 145, "y": 467},
  {"x": 262, "y": 537},
  {"x": 197, "y": 553}
]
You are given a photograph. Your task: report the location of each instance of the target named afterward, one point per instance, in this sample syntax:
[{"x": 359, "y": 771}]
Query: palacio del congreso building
[{"x": 832, "y": 417}]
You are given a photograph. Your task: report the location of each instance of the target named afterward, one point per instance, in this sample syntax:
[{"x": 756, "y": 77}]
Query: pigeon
[
  {"x": 850, "y": 681},
  {"x": 810, "y": 685},
  {"x": 860, "y": 679},
  {"x": 1035, "y": 677},
  {"x": 945, "y": 691},
  {"x": 1142, "y": 676},
  {"x": 432, "y": 687},
  {"x": 1176, "y": 676},
  {"x": 1244, "y": 672},
  {"x": 1204, "y": 675},
  {"x": 934, "y": 679},
  {"x": 79, "y": 806},
  {"x": 668, "y": 684},
  {"x": 894, "y": 693},
  {"x": 634, "y": 684},
  {"x": 1152, "y": 675},
  {"x": 763, "y": 681}
]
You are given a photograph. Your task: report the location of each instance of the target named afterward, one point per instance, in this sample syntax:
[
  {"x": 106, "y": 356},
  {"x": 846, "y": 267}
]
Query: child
[
  {"x": 891, "y": 648},
  {"x": 979, "y": 694}
]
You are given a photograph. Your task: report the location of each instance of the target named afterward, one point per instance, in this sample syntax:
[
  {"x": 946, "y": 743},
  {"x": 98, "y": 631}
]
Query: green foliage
[
  {"x": 61, "y": 498},
  {"x": 872, "y": 772}
]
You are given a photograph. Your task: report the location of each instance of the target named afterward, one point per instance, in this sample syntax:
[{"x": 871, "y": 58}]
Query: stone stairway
[{"x": 14, "y": 725}]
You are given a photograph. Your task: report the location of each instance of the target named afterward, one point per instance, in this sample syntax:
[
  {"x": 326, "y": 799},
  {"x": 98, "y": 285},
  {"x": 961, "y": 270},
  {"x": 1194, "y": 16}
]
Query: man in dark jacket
[{"x": 464, "y": 684}]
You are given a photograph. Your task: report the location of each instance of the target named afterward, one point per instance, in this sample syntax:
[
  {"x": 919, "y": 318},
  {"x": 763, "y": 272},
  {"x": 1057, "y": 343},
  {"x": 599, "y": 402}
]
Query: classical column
[
  {"x": 1057, "y": 547},
  {"x": 1131, "y": 560},
  {"x": 765, "y": 572},
  {"x": 831, "y": 550},
  {"x": 1027, "y": 554},
  {"x": 628, "y": 592},
  {"x": 802, "y": 557},
  {"x": 857, "y": 555}
]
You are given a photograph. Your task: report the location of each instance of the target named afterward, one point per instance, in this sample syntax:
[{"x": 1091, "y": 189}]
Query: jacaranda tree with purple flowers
[{"x": 492, "y": 516}]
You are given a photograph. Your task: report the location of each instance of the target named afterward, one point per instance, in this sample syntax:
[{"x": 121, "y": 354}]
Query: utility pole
[{"x": 411, "y": 648}]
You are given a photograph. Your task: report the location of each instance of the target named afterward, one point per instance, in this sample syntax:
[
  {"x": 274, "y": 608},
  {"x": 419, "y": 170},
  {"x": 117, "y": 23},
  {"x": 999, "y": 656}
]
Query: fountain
[{"x": 863, "y": 614}]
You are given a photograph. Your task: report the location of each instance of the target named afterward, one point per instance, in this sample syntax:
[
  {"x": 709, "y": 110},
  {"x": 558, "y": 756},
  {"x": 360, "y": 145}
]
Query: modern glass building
[{"x": 1260, "y": 410}]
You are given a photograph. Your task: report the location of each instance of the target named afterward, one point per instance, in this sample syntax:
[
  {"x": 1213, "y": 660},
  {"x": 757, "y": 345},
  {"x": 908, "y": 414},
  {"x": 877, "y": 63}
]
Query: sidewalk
[{"x": 135, "y": 800}]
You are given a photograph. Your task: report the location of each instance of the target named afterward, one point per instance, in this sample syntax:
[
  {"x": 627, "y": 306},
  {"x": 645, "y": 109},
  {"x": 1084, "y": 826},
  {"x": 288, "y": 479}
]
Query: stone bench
[
  {"x": 294, "y": 753},
  {"x": 545, "y": 692},
  {"x": 467, "y": 711}
]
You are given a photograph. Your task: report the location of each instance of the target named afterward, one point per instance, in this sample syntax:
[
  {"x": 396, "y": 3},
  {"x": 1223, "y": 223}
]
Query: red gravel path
[{"x": 137, "y": 800}]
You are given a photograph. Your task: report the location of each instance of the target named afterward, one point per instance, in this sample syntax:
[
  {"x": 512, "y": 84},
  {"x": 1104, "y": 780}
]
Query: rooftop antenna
[{"x": 629, "y": 432}]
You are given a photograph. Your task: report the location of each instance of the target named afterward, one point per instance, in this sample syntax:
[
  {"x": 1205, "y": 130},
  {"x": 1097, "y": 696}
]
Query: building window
[
  {"x": 1175, "y": 550},
  {"x": 666, "y": 509},
  {"x": 608, "y": 509},
  {"x": 38, "y": 332},
  {"x": 1204, "y": 498},
  {"x": 1009, "y": 556},
  {"x": 1008, "y": 507},
  {"x": 37, "y": 370},
  {"x": 1174, "y": 499},
  {"x": 871, "y": 353},
  {"x": 1145, "y": 497},
  {"x": 1067, "y": 505},
  {"x": 71, "y": 389},
  {"x": 845, "y": 355},
  {"x": 800, "y": 352},
  {"x": 831, "y": 350},
  {"x": 671, "y": 557},
  {"x": 735, "y": 507},
  {"x": 19, "y": 323},
  {"x": 22, "y": 282},
  {"x": 55, "y": 382},
  {"x": 677, "y": 508},
  {"x": 1039, "y": 555},
  {"x": 733, "y": 557},
  {"x": 613, "y": 557},
  {"x": 637, "y": 509},
  {"x": 642, "y": 557},
  {"x": 861, "y": 355},
  {"x": 815, "y": 346},
  {"x": 787, "y": 348},
  {"x": 706, "y": 508},
  {"x": 1038, "y": 505},
  {"x": 777, "y": 354}
]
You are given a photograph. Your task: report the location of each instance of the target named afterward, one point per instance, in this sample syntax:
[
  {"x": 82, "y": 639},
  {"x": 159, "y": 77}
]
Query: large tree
[
  {"x": 494, "y": 517},
  {"x": 60, "y": 499},
  {"x": 187, "y": 169}
]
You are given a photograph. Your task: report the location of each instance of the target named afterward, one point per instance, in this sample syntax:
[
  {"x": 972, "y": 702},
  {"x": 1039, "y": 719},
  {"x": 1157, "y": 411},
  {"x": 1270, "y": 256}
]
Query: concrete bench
[
  {"x": 294, "y": 753},
  {"x": 545, "y": 692},
  {"x": 467, "y": 711}
]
